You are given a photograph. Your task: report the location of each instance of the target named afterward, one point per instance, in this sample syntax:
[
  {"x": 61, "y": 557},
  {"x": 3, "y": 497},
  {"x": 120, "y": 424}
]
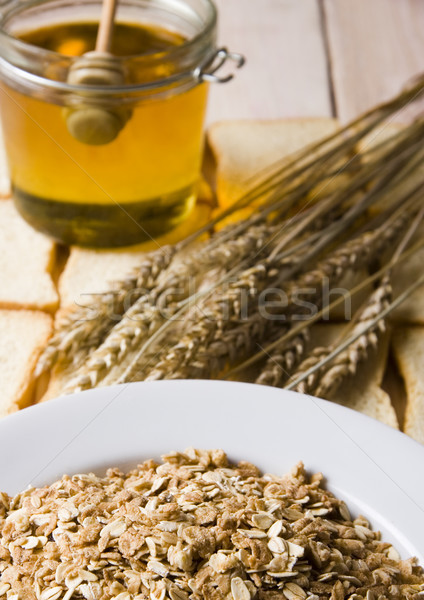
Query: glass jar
[{"x": 140, "y": 183}]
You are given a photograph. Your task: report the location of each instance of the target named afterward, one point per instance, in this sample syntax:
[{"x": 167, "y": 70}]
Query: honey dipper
[{"x": 88, "y": 123}]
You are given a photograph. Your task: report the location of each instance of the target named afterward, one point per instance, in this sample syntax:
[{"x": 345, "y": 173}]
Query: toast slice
[
  {"x": 24, "y": 334},
  {"x": 26, "y": 264},
  {"x": 408, "y": 346},
  {"x": 243, "y": 148},
  {"x": 361, "y": 392}
]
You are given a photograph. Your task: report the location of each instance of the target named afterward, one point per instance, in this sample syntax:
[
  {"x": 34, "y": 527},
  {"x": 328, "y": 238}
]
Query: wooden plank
[
  {"x": 286, "y": 70},
  {"x": 376, "y": 47}
]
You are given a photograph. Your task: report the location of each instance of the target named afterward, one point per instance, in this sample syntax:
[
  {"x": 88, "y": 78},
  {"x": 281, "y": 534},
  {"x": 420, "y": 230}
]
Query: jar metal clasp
[{"x": 208, "y": 70}]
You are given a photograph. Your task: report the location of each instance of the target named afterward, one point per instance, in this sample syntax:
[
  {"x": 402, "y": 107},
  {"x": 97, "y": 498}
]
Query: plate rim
[{"x": 59, "y": 406}]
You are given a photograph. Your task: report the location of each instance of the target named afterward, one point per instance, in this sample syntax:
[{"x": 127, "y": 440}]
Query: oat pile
[{"x": 194, "y": 527}]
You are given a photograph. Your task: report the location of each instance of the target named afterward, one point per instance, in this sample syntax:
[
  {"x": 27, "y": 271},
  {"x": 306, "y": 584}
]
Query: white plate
[{"x": 378, "y": 471}]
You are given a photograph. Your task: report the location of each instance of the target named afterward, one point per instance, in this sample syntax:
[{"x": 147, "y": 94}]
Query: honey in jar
[{"x": 142, "y": 183}]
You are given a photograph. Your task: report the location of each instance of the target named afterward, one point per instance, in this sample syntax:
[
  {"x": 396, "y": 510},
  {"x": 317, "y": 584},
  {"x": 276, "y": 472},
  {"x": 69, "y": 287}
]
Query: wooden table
[{"x": 317, "y": 57}]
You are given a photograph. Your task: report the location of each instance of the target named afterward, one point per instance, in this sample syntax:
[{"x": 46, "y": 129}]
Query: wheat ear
[
  {"x": 325, "y": 380},
  {"x": 283, "y": 361},
  {"x": 293, "y": 384}
]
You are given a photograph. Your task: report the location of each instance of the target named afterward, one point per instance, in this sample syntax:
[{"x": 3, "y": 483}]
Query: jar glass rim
[{"x": 192, "y": 48}]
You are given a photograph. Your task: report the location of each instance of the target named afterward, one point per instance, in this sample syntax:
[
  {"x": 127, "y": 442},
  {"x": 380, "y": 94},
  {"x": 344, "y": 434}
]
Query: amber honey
[{"x": 138, "y": 186}]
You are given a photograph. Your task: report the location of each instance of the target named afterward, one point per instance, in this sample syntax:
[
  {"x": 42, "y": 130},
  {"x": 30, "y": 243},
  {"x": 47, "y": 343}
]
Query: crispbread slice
[
  {"x": 243, "y": 148},
  {"x": 26, "y": 262},
  {"x": 408, "y": 345},
  {"x": 4, "y": 171},
  {"x": 90, "y": 271},
  {"x": 23, "y": 336},
  {"x": 361, "y": 392},
  {"x": 370, "y": 400}
]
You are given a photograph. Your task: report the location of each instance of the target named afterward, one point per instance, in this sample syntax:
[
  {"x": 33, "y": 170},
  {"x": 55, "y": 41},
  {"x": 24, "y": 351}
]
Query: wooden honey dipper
[{"x": 88, "y": 123}]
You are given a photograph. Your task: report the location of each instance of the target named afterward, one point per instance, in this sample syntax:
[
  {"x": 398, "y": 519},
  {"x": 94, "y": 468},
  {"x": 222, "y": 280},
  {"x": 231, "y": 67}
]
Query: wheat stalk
[
  {"x": 208, "y": 347},
  {"x": 318, "y": 157},
  {"x": 324, "y": 380},
  {"x": 284, "y": 338},
  {"x": 78, "y": 333},
  {"x": 287, "y": 355},
  {"x": 114, "y": 351},
  {"x": 279, "y": 364},
  {"x": 211, "y": 325},
  {"x": 213, "y": 342}
]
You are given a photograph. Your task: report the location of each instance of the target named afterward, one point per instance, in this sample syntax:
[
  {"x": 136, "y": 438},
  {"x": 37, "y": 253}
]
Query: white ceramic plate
[{"x": 378, "y": 471}]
